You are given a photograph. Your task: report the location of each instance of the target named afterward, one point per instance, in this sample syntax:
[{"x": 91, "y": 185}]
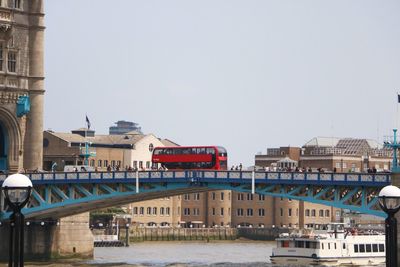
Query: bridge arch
[{"x": 10, "y": 141}]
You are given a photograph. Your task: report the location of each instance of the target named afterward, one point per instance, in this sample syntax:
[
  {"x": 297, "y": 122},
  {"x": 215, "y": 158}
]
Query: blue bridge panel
[{"x": 58, "y": 194}]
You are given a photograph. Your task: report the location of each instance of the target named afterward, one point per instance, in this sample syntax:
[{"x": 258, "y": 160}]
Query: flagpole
[{"x": 397, "y": 111}]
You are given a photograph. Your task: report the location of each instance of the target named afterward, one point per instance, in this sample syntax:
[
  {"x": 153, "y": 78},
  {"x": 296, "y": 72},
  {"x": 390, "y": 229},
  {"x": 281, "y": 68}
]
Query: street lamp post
[
  {"x": 17, "y": 190},
  {"x": 389, "y": 200},
  {"x": 127, "y": 235}
]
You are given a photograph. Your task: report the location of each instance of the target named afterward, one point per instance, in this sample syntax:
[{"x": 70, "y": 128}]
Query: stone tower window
[
  {"x": 1, "y": 57},
  {"x": 17, "y": 3},
  {"x": 12, "y": 61}
]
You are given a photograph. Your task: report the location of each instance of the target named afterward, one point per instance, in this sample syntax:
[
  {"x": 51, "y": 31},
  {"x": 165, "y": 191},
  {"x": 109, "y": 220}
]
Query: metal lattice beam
[{"x": 62, "y": 194}]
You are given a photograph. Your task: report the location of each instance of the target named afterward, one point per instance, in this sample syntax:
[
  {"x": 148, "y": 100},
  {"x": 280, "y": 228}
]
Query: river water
[
  {"x": 179, "y": 254},
  {"x": 188, "y": 254}
]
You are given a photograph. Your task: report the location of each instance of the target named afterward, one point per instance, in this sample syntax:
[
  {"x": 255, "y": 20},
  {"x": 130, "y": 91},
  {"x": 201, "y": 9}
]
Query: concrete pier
[{"x": 69, "y": 238}]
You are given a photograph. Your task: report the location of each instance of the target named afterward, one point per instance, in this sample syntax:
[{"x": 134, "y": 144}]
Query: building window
[
  {"x": 321, "y": 213},
  {"x": 307, "y": 213},
  {"x": 186, "y": 211},
  {"x": 147, "y": 164},
  {"x": 261, "y": 212},
  {"x": 196, "y": 211},
  {"x": 290, "y": 212},
  {"x": 186, "y": 197},
  {"x": 312, "y": 213},
  {"x": 281, "y": 212},
  {"x": 261, "y": 197},
  {"x": 92, "y": 161},
  {"x": 113, "y": 163},
  {"x": 168, "y": 211},
  {"x": 162, "y": 211},
  {"x": 337, "y": 214},
  {"x": 141, "y": 210},
  {"x": 148, "y": 211},
  {"x": 151, "y": 147},
  {"x": 196, "y": 196},
  {"x": 12, "y": 61},
  {"x": 135, "y": 211},
  {"x": 155, "y": 211},
  {"x": 240, "y": 196},
  {"x": 249, "y": 212},
  {"x": 249, "y": 196},
  {"x": 239, "y": 212},
  {"x": 141, "y": 164},
  {"x": 222, "y": 196},
  {"x": 135, "y": 164},
  {"x": 327, "y": 213},
  {"x": 105, "y": 163},
  {"x": 213, "y": 195},
  {"x": 99, "y": 163},
  {"x": 222, "y": 211}
]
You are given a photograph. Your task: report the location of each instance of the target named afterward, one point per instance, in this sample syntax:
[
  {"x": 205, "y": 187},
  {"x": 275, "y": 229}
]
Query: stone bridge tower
[{"x": 21, "y": 84}]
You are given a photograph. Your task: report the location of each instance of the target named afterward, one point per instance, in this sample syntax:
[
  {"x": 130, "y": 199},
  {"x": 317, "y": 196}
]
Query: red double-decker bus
[{"x": 193, "y": 157}]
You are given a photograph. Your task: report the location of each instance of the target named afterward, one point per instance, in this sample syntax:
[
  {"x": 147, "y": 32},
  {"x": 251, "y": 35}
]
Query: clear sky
[{"x": 246, "y": 75}]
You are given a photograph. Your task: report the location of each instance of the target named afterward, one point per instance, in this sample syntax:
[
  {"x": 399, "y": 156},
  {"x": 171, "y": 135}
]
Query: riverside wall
[
  {"x": 67, "y": 238},
  {"x": 138, "y": 234}
]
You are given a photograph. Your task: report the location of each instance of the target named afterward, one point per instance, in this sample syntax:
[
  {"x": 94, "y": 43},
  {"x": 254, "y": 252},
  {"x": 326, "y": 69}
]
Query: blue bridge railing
[{"x": 377, "y": 179}]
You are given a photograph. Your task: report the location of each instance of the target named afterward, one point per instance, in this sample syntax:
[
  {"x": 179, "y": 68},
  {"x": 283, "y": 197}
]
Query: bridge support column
[
  {"x": 71, "y": 238},
  {"x": 396, "y": 181}
]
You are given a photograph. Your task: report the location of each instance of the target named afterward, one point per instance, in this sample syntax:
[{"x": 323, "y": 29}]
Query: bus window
[
  {"x": 222, "y": 152},
  {"x": 210, "y": 150},
  {"x": 201, "y": 150},
  {"x": 157, "y": 151}
]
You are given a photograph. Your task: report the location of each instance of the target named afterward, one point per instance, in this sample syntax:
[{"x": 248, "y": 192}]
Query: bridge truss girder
[
  {"x": 60, "y": 200},
  {"x": 359, "y": 199}
]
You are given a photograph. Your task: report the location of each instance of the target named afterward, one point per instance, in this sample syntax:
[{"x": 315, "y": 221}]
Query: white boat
[{"x": 329, "y": 245}]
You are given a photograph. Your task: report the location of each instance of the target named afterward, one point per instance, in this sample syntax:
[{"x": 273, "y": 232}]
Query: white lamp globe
[
  {"x": 389, "y": 198},
  {"x": 17, "y": 188}
]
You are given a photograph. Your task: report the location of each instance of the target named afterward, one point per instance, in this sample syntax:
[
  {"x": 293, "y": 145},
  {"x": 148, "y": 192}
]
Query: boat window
[
  {"x": 375, "y": 247},
  {"x": 362, "y": 248},
  {"x": 381, "y": 248},
  {"x": 368, "y": 247},
  {"x": 312, "y": 245},
  {"x": 356, "y": 248},
  {"x": 285, "y": 243},
  {"x": 299, "y": 244}
]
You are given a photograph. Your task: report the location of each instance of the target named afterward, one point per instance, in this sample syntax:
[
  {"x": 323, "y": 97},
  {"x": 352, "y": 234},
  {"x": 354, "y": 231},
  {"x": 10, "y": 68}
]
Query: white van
[{"x": 78, "y": 168}]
